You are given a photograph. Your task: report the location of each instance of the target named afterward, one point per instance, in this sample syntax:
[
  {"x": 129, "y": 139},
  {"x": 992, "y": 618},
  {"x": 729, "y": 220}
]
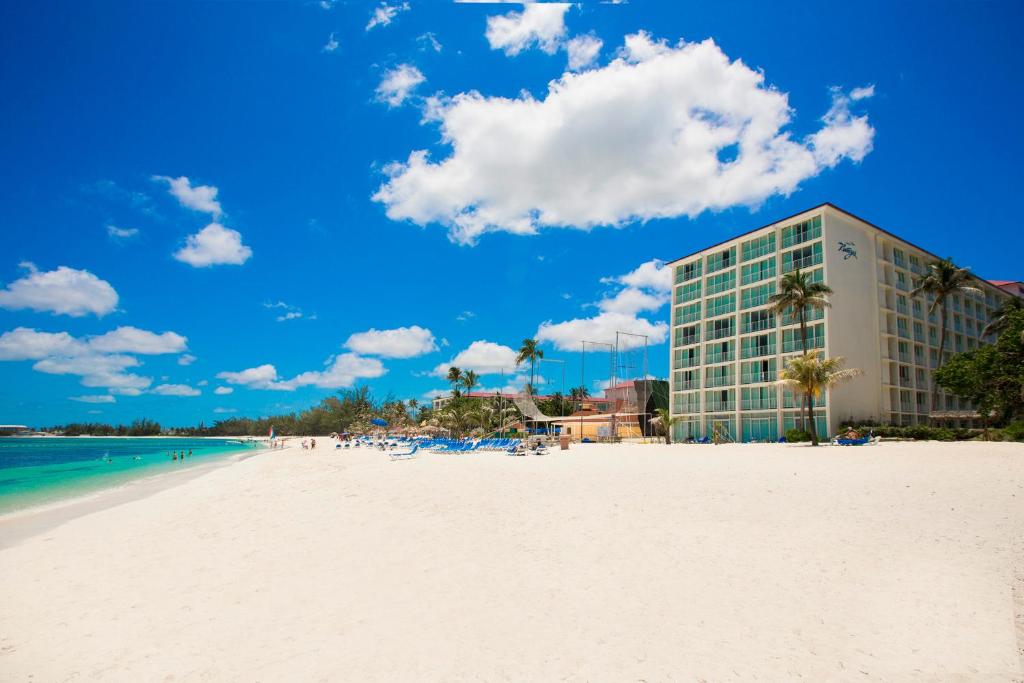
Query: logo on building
[{"x": 848, "y": 250}]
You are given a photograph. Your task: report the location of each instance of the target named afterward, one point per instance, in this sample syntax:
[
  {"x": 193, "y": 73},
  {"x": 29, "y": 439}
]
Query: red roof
[{"x": 1000, "y": 283}]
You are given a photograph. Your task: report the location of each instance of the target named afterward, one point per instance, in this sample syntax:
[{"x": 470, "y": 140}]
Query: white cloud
[
  {"x": 186, "y": 359},
  {"x": 23, "y": 343},
  {"x": 465, "y": 315},
  {"x": 214, "y": 245},
  {"x": 632, "y": 301},
  {"x": 862, "y": 92},
  {"x": 290, "y": 315},
  {"x": 259, "y": 377},
  {"x": 94, "y": 398},
  {"x": 659, "y": 132},
  {"x": 600, "y": 328},
  {"x": 64, "y": 291},
  {"x": 653, "y": 274},
  {"x": 583, "y": 50},
  {"x": 198, "y": 198},
  {"x": 482, "y": 357},
  {"x": 220, "y": 411},
  {"x": 128, "y": 339},
  {"x": 97, "y": 370},
  {"x": 540, "y": 24},
  {"x": 223, "y": 391},
  {"x": 341, "y": 371},
  {"x": 174, "y": 390},
  {"x": 402, "y": 342},
  {"x": 385, "y": 14},
  {"x": 121, "y": 233},
  {"x": 844, "y": 135},
  {"x": 428, "y": 39},
  {"x": 202, "y": 382},
  {"x": 398, "y": 84},
  {"x": 331, "y": 45}
]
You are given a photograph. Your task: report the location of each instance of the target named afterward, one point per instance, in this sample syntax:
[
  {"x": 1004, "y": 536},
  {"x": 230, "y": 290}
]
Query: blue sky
[{"x": 222, "y": 195}]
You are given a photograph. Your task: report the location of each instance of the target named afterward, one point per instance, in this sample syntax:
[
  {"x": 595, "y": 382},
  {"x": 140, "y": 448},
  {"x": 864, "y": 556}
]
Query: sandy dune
[{"x": 605, "y": 563}]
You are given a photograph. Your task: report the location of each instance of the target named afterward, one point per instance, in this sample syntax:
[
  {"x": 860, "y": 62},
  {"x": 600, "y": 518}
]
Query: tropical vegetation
[{"x": 808, "y": 376}]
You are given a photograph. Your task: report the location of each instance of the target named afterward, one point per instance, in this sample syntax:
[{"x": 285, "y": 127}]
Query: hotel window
[
  {"x": 760, "y": 345},
  {"x": 916, "y": 306},
  {"x": 901, "y": 304},
  {"x": 801, "y": 258},
  {"x": 686, "y": 358},
  {"x": 789, "y": 317},
  {"x": 919, "y": 379},
  {"x": 721, "y": 305},
  {"x": 687, "y": 335},
  {"x": 687, "y": 272},
  {"x": 901, "y": 281},
  {"x": 722, "y": 260},
  {"x": 903, "y": 349},
  {"x": 801, "y": 232},
  {"x": 901, "y": 328},
  {"x": 969, "y": 325},
  {"x": 759, "y": 246},
  {"x": 755, "y": 272},
  {"x": 816, "y": 275},
  {"x": 791, "y": 340},
  {"x": 756, "y": 296},
  {"x": 755, "y": 321},
  {"x": 898, "y": 258},
  {"x": 686, "y": 404},
  {"x": 918, "y": 331},
  {"x": 725, "y": 327},
  {"x": 957, "y": 324},
  {"x": 792, "y": 400},
  {"x": 760, "y": 428},
  {"x": 720, "y": 283},
  {"x": 933, "y": 338},
  {"x": 687, "y": 314},
  {"x": 933, "y": 358},
  {"x": 915, "y": 264},
  {"x": 758, "y": 398},
  {"x": 724, "y": 399},
  {"x": 720, "y": 352},
  {"x": 687, "y": 379},
  {"x": 718, "y": 376},
  {"x": 688, "y": 292},
  {"x": 758, "y": 371},
  {"x": 919, "y": 355},
  {"x": 956, "y": 302}
]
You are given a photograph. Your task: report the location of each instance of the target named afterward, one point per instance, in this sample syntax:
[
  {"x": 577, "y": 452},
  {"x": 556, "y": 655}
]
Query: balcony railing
[
  {"x": 757, "y": 377},
  {"x": 759, "y": 404},
  {"x": 759, "y": 350},
  {"x": 719, "y": 381},
  {"x": 720, "y": 357},
  {"x": 713, "y": 406}
]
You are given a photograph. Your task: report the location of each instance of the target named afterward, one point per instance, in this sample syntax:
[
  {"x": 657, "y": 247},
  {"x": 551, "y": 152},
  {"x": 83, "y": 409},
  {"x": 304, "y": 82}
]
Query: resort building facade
[{"x": 727, "y": 345}]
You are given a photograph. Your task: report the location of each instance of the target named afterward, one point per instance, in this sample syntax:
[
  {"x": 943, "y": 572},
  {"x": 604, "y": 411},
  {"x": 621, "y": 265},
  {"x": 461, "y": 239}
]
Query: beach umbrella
[{"x": 380, "y": 422}]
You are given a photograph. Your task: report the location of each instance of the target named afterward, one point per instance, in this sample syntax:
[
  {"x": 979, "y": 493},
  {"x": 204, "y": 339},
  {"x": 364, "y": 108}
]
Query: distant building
[
  {"x": 1014, "y": 287},
  {"x": 728, "y": 345},
  {"x": 11, "y": 430}
]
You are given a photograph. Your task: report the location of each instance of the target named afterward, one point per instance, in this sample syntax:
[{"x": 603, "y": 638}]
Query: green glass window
[
  {"x": 686, "y": 379},
  {"x": 686, "y": 358},
  {"x": 804, "y": 231},
  {"x": 720, "y": 283},
  {"x": 686, "y": 404},
  {"x": 791, "y": 340},
  {"x": 724, "y": 399},
  {"x": 721, "y": 305},
  {"x": 801, "y": 258},
  {"x": 722, "y": 260},
  {"x": 755, "y": 321},
  {"x": 720, "y": 352},
  {"x": 756, "y": 296},
  {"x": 758, "y": 371},
  {"x": 688, "y": 292},
  {"x": 687, "y": 314},
  {"x": 758, "y": 345},
  {"x": 688, "y": 271},
  {"x": 758, "y": 398},
  {"x": 755, "y": 272},
  {"x": 789, "y": 317},
  {"x": 723, "y": 327},
  {"x": 759, "y": 246},
  {"x": 687, "y": 335}
]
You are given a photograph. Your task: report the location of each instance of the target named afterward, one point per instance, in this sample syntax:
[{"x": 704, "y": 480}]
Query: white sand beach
[{"x": 603, "y": 563}]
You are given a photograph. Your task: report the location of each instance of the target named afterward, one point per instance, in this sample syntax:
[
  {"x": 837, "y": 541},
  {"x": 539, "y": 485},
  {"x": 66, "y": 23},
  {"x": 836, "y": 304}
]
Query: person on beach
[
  {"x": 175, "y": 456},
  {"x": 190, "y": 452}
]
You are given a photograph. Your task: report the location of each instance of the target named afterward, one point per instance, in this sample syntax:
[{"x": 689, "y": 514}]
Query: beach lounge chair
[{"x": 404, "y": 455}]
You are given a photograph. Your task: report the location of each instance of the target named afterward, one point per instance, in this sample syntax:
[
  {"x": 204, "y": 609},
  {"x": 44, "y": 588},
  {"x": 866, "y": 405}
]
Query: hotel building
[{"x": 728, "y": 346}]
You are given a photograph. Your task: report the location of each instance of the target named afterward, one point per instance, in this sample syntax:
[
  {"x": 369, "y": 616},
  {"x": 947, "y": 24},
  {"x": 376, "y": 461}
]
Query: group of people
[
  {"x": 173, "y": 455},
  {"x": 310, "y": 445}
]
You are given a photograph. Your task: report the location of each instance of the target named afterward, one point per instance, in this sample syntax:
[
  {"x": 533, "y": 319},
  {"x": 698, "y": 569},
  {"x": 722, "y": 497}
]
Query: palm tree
[
  {"x": 529, "y": 351},
  {"x": 665, "y": 421},
  {"x": 469, "y": 380},
  {"x": 809, "y": 375},
  {"x": 413, "y": 404},
  {"x": 454, "y": 378},
  {"x": 944, "y": 278},
  {"x": 1001, "y": 316},
  {"x": 799, "y": 294}
]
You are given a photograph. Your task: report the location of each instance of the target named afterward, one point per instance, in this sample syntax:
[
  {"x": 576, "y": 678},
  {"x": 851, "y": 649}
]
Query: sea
[{"x": 44, "y": 470}]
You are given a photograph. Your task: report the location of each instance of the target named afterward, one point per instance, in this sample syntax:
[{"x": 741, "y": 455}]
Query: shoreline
[{"x": 19, "y": 525}]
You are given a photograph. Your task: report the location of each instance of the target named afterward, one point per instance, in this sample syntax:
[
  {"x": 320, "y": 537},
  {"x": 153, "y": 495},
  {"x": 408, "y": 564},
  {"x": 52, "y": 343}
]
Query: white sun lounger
[{"x": 404, "y": 455}]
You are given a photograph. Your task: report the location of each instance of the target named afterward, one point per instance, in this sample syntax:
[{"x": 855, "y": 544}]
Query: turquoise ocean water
[{"x": 36, "y": 471}]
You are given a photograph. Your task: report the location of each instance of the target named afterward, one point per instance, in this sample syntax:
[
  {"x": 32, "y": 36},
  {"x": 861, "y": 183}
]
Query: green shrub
[
  {"x": 1014, "y": 431},
  {"x": 797, "y": 435}
]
